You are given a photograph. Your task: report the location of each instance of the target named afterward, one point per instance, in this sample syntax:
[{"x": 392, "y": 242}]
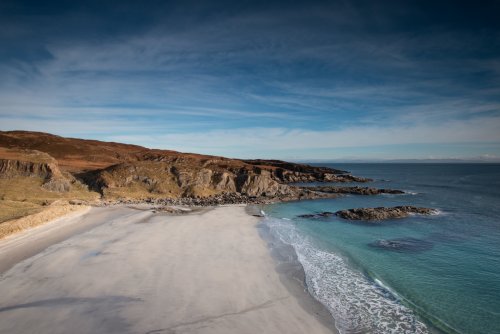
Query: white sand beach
[{"x": 131, "y": 271}]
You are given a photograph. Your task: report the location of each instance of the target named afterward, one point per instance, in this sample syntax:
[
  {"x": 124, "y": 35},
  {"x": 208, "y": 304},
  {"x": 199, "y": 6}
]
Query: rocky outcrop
[
  {"x": 354, "y": 190},
  {"x": 317, "y": 215},
  {"x": 57, "y": 185},
  {"x": 261, "y": 184},
  {"x": 298, "y": 177},
  {"x": 35, "y": 164},
  {"x": 381, "y": 213},
  {"x": 294, "y": 167},
  {"x": 12, "y": 168},
  {"x": 171, "y": 180},
  {"x": 288, "y": 172}
]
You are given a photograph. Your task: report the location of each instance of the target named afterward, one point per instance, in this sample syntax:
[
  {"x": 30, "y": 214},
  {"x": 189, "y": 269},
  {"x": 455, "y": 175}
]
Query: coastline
[
  {"x": 292, "y": 272},
  {"x": 204, "y": 272}
]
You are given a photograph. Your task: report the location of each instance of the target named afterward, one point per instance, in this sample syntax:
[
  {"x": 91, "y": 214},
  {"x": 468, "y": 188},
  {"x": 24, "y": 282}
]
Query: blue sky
[{"x": 293, "y": 80}]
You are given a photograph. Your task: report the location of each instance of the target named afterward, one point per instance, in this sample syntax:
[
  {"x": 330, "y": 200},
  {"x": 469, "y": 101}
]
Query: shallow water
[{"x": 408, "y": 275}]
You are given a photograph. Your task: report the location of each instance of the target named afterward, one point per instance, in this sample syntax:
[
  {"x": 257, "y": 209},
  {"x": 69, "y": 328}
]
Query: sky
[{"x": 294, "y": 80}]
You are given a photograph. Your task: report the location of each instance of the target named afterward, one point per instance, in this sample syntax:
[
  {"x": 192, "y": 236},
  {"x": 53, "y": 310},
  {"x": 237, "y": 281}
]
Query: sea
[{"x": 421, "y": 274}]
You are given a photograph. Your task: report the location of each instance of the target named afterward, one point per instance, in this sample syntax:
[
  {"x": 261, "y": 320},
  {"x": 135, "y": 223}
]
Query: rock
[
  {"x": 77, "y": 202},
  {"x": 382, "y": 213},
  {"x": 57, "y": 185},
  {"x": 169, "y": 209},
  {"x": 344, "y": 178},
  {"x": 410, "y": 245},
  {"x": 287, "y": 172},
  {"x": 354, "y": 190},
  {"x": 34, "y": 164},
  {"x": 317, "y": 215}
]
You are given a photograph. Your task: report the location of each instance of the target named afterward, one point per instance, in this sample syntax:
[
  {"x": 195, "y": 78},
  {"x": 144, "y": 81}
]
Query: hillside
[{"x": 38, "y": 168}]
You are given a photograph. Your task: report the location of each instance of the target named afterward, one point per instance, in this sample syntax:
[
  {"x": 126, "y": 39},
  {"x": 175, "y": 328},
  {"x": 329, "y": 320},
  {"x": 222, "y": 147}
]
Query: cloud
[
  {"x": 308, "y": 75},
  {"x": 266, "y": 140}
]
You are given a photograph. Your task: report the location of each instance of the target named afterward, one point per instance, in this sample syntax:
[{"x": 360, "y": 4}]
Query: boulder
[
  {"x": 382, "y": 213},
  {"x": 354, "y": 190},
  {"x": 317, "y": 215}
]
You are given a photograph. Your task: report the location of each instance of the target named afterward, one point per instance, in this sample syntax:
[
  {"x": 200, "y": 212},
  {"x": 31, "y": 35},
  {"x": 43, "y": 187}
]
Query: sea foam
[{"x": 358, "y": 303}]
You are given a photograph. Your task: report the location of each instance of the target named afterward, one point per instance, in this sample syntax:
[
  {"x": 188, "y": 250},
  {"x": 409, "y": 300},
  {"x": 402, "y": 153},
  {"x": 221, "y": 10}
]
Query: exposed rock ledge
[
  {"x": 35, "y": 164},
  {"x": 220, "y": 199},
  {"x": 354, "y": 190},
  {"x": 382, "y": 213},
  {"x": 317, "y": 215}
]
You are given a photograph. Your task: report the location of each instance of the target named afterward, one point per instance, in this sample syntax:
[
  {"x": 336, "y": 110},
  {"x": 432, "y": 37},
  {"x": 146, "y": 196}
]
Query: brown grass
[
  {"x": 22, "y": 196},
  {"x": 25, "y": 155},
  {"x": 49, "y": 213},
  {"x": 15, "y": 209},
  {"x": 29, "y": 189}
]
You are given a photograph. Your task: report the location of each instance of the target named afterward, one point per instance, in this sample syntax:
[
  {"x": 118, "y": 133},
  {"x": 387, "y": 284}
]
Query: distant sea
[{"x": 421, "y": 274}]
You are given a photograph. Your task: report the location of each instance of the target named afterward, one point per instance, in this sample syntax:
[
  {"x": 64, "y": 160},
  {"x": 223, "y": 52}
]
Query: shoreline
[
  {"x": 205, "y": 272},
  {"x": 287, "y": 254},
  {"x": 292, "y": 273}
]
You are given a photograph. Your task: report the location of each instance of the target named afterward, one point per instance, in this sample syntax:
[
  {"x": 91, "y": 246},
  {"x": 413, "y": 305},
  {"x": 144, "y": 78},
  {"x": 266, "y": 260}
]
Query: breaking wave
[{"x": 358, "y": 302}]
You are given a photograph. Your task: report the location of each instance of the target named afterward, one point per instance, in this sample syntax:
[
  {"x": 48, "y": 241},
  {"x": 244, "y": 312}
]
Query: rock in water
[
  {"x": 354, "y": 190},
  {"x": 382, "y": 213},
  {"x": 317, "y": 215}
]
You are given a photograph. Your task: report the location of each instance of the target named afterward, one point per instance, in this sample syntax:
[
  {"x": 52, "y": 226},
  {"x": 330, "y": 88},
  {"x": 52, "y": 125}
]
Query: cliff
[
  {"x": 34, "y": 164},
  {"x": 31, "y": 180},
  {"x": 174, "y": 180}
]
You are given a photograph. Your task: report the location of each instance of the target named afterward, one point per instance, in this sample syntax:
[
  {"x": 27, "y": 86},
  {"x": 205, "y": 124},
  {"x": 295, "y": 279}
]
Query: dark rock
[
  {"x": 410, "y": 245},
  {"x": 287, "y": 172},
  {"x": 354, "y": 190},
  {"x": 295, "y": 167},
  {"x": 57, "y": 185},
  {"x": 317, "y": 215},
  {"x": 381, "y": 213},
  {"x": 42, "y": 166}
]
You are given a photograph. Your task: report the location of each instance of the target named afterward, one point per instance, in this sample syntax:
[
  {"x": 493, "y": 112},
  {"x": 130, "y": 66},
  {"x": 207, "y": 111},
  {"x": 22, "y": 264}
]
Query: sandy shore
[{"x": 133, "y": 271}]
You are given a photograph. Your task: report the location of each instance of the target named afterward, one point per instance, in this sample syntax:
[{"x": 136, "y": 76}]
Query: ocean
[{"x": 441, "y": 273}]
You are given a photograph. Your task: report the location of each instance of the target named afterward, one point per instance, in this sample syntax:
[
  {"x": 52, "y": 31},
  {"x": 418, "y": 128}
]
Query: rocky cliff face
[
  {"x": 173, "y": 180},
  {"x": 34, "y": 164},
  {"x": 11, "y": 168}
]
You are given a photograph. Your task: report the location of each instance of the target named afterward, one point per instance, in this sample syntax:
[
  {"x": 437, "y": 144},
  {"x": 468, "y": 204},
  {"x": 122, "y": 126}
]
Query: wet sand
[{"x": 125, "y": 270}]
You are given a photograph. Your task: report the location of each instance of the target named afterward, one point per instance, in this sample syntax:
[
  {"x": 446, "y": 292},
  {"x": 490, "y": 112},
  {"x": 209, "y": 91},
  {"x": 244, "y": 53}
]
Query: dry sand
[{"x": 143, "y": 272}]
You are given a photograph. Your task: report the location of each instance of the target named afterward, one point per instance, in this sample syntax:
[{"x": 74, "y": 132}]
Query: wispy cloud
[
  {"x": 257, "y": 140},
  {"x": 306, "y": 76}
]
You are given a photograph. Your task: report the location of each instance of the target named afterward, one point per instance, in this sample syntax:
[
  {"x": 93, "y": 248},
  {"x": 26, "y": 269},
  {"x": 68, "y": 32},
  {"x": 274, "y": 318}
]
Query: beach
[{"x": 127, "y": 270}]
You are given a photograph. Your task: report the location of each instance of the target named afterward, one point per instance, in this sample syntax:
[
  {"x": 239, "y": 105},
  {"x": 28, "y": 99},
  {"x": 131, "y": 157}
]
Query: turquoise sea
[{"x": 441, "y": 273}]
